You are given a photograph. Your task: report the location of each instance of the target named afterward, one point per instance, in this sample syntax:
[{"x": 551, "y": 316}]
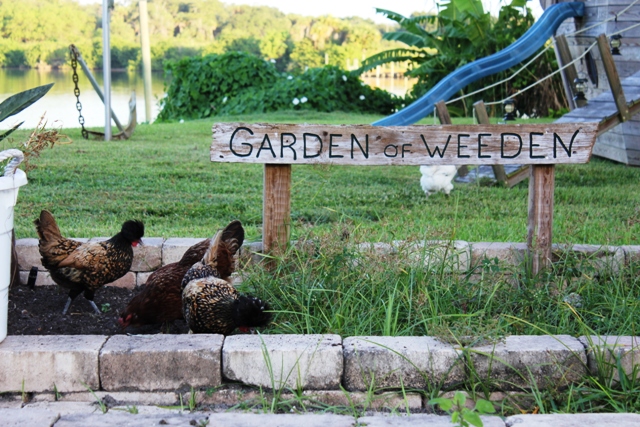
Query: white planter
[{"x": 12, "y": 180}]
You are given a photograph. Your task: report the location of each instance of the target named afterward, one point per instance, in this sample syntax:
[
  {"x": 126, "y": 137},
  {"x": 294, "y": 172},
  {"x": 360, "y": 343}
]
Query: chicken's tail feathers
[
  {"x": 233, "y": 236},
  {"x": 223, "y": 247},
  {"x": 46, "y": 227}
]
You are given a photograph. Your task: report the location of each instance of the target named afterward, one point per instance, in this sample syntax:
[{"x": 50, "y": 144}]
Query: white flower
[
  {"x": 224, "y": 100},
  {"x": 361, "y": 97},
  {"x": 344, "y": 77},
  {"x": 181, "y": 120},
  {"x": 289, "y": 77},
  {"x": 273, "y": 61},
  {"x": 296, "y": 101},
  {"x": 303, "y": 99}
]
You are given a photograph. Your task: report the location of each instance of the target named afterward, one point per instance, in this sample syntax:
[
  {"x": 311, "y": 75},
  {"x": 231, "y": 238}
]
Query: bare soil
[{"x": 38, "y": 311}]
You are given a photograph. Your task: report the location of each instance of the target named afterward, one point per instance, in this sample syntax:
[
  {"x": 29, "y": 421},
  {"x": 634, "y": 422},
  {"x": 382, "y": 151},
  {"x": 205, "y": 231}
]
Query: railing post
[{"x": 613, "y": 77}]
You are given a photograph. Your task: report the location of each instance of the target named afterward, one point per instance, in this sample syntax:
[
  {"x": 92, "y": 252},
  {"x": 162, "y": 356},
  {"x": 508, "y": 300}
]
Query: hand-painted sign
[{"x": 403, "y": 145}]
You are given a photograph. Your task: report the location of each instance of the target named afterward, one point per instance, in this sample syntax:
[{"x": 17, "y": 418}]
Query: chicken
[
  {"x": 160, "y": 301},
  {"x": 85, "y": 267},
  {"x": 210, "y": 303},
  {"x": 437, "y": 178}
]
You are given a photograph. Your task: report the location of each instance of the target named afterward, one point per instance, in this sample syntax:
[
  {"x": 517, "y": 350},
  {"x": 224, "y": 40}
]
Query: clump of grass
[{"x": 333, "y": 285}]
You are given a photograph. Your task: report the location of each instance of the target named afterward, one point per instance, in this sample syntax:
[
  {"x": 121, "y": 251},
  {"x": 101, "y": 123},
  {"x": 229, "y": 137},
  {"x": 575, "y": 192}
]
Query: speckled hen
[
  {"x": 85, "y": 267},
  {"x": 210, "y": 303}
]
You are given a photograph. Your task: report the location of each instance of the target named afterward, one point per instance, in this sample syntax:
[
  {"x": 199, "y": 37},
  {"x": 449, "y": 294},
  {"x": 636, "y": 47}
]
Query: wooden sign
[{"x": 532, "y": 144}]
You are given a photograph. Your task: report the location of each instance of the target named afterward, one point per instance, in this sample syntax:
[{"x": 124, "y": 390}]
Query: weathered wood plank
[
  {"x": 445, "y": 119},
  {"x": 276, "y": 208},
  {"x": 613, "y": 77},
  {"x": 569, "y": 74},
  {"x": 403, "y": 145},
  {"x": 540, "y": 218}
]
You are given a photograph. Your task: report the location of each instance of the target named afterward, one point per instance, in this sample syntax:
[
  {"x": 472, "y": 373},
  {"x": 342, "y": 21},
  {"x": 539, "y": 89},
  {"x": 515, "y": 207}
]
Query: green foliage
[
  {"x": 198, "y": 86},
  {"x": 37, "y": 32},
  {"x": 320, "y": 89},
  {"x": 460, "y": 33},
  {"x": 18, "y": 102},
  {"x": 239, "y": 83},
  {"x": 460, "y": 413}
]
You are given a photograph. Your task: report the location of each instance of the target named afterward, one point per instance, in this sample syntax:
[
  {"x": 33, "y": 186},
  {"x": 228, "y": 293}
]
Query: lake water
[{"x": 59, "y": 104}]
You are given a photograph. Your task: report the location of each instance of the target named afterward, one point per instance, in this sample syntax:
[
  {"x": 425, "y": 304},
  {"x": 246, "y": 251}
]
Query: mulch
[{"x": 38, "y": 311}]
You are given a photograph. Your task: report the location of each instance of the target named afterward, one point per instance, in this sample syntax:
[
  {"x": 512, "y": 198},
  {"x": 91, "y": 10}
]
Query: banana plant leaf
[{"x": 18, "y": 102}]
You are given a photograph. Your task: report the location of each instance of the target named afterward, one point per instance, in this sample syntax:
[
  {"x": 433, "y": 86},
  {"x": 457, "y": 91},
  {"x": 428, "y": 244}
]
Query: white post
[
  {"x": 146, "y": 58},
  {"x": 106, "y": 67}
]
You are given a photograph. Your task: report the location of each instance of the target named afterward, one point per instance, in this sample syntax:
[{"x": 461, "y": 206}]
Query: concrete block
[
  {"x": 573, "y": 420},
  {"x": 42, "y": 279},
  {"x": 148, "y": 256},
  {"x": 118, "y": 397},
  {"x": 604, "y": 353},
  {"x": 599, "y": 258},
  {"x": 65, "y": 408},
  {"x": 27, "y": 417},
  {"x": 175, "y": 247},
  {"x": 383, "y": 401},
  {"x": 28, "y": 254},
  {"x": 250, "y": 253},
  {"x": 549, "y": 361},
  {"x": 420, "y": 420},
  {"x": 160, "y": 362},
  {"x": 280, "y": 420},
  {"x": 410, "y": 362},
  {"x": 307, "y": 361},
  {"x": 67, "y": 362},
  {"x": 123, "y": 418},
  {"x": 127, "y": 281},
  {"x": 142, "y": 277},
  {"x": 508, "y": 253},
  {"x": 430, "y": 253},
  {"x": 631, "y": 253}
]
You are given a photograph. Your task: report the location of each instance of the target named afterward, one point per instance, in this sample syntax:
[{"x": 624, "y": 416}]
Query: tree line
[{"x": 37, "y": 34}]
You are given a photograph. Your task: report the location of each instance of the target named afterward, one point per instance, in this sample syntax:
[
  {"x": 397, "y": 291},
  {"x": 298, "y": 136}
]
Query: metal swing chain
[{"x": 76, "y": 90}]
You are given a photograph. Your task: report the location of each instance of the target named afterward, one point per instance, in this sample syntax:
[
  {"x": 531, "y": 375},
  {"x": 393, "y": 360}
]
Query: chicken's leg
[{"x": 66, "y": 306}]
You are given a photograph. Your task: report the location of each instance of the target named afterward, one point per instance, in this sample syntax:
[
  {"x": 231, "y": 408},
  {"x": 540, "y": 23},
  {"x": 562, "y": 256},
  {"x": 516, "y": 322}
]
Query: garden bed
[{"x": 38, "y": 311}]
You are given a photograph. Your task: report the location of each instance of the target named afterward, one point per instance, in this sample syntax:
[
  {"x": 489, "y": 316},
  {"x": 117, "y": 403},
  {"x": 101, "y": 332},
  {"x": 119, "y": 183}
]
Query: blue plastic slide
[{"x": 515, "y": 53}]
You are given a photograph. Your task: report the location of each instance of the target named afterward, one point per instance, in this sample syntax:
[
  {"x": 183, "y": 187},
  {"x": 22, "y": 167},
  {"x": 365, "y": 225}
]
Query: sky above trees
[{"x": 361, "y": 8}]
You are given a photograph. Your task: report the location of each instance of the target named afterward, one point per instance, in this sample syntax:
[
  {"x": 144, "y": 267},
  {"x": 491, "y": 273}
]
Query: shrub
[
  {"x": 238, "y": 83},
  {"x": 198, "y": 85}
]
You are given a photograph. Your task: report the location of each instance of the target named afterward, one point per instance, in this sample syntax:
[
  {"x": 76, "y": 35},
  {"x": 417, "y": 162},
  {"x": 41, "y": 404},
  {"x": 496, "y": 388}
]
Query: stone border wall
[
  {"x": 459, "y": 255},
  {"x": 320, "y": 364}
]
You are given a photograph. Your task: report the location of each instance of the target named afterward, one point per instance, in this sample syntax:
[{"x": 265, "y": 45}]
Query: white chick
[{"x": 437, "y": 178}]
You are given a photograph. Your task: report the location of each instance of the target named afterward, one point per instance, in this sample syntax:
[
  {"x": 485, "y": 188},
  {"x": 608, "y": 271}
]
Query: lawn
[{"x": 163, "y": 176}]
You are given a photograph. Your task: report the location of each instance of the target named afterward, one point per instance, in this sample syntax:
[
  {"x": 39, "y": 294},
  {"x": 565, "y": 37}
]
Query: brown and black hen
[
  {"x": 210, "y": 303},
  {"x": 85, "y": 267},
  {"x": 160, "y": 301}
]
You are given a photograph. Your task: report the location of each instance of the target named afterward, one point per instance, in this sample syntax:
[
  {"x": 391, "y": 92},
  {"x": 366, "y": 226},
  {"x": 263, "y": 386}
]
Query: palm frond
[{"x": 392, "y": 55}]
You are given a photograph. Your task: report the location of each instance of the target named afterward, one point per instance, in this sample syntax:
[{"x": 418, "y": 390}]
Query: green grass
[{"x": 163, "y": 176}]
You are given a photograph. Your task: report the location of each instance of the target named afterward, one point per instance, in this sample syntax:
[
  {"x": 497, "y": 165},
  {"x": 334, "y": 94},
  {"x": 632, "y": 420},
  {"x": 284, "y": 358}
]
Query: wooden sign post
[{"x": 278, "y": 146}]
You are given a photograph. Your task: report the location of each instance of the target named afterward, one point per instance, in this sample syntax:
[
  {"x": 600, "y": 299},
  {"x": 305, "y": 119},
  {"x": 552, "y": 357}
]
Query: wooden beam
[
  {"x": 443, "y": 113},
  {"x": 613, "y": 77},
  {"x": 569, "y": 74},
  {"x": 540, "y": 218},
  {"x": 445, "y": 119},
  {"x": 276, "y": 208},
  {"x": 483, "y": 119}
]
